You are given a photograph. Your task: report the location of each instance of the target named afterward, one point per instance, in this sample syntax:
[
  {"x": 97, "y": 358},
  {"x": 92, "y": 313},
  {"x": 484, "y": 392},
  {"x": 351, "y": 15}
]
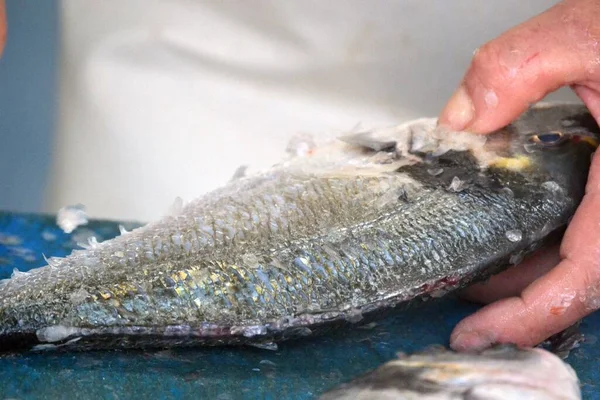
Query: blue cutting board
[{"x": 299, "y": 370}]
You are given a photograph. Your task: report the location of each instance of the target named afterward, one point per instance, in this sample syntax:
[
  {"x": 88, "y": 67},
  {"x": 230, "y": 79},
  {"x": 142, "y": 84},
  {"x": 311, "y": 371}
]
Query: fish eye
[{"x": 547, "y": 138}]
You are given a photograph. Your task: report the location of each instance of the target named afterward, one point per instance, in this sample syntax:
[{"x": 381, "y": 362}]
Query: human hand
[{"x": 558, "y": 286}]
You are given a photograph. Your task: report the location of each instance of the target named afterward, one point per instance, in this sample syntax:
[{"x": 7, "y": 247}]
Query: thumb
[{"x": 556, "y": 48}]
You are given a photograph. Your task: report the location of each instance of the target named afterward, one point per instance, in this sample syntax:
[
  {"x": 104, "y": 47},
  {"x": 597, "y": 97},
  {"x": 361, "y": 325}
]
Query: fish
[
  {"x": 501, "y": 372},
  {"x": 348, "y": 229}
]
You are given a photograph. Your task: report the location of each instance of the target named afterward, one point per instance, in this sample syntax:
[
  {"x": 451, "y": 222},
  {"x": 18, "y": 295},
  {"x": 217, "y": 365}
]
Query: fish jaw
[
  {"x": 310, "y": 245},
  {"x": 498, "y": 373}
]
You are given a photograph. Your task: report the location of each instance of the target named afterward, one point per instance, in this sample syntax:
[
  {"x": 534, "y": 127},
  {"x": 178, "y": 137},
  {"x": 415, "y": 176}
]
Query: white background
[{"x": 160, "y": 99}]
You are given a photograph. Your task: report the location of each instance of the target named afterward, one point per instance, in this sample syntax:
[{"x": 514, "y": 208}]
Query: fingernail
[
  {"x": 459, "y": 111},
  {"x": 470, "y": 341}
]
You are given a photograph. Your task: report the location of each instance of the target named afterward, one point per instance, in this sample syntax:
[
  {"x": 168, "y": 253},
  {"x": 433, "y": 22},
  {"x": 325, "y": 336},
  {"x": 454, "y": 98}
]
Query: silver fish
[
  {"x": 502, "y": 372},
  {"x": 335, "y": 235}
]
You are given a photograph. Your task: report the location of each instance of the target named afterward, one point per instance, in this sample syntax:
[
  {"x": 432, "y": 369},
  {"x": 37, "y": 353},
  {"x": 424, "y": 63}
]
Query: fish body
[
  {"x": 502, "y": 372},
  {"x": 335, "y": 236}
]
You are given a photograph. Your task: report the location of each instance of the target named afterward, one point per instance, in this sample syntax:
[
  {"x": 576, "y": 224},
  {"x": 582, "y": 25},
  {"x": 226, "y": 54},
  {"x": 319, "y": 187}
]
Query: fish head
[
  {"x": 557, "y": 131},
  {"x": 504, "y": 371},
  {"x": 550, "y": 142}
]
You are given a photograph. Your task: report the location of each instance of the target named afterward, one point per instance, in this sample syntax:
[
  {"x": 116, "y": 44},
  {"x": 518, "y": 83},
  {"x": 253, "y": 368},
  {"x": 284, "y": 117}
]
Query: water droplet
[
  {"x": 354, "y": 316},
  {"x": 560, "y": 305},
  {"x": 435, "y": 171},
  {"x": 514, "y": 235},
  {"x": 250, "y": 260},
  {"x": 254, "y": 330},
  {"x": 516, "y": 259},
  {"x": 176, "y": 237},
  {"x": 456, "y": 185},
  {"x": 508, "y": 191},
  {"x": 551, "y": 186},
  {"x": 491, "y": 99},
  {"x": 530, "y": 147},
  {"x": 591, "y": 298},
  {"x": 567, "y": 122},
  {"x": 256, "y": 369},
  {"x": 302, "y": 263}
]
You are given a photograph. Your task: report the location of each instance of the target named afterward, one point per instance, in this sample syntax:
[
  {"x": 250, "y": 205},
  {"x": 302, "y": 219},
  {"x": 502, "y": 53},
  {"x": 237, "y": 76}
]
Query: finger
[
  {"x": 512, "y": 281},
  {"x": 553, "y": 302},
  {"x": 589, "y": 93},
  {"x": 556, "y": 48}
]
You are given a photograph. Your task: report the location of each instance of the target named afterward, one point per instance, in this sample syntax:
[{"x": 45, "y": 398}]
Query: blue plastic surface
[{"x": 299, "y": 370}]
